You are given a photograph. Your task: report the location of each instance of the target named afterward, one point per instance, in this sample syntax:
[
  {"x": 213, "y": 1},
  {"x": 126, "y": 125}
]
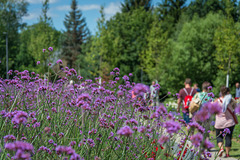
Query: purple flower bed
[{"x": 86, "y": 120}]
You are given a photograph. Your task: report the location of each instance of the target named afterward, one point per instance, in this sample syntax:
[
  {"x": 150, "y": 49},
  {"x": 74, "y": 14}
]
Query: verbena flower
[
  {"x": 50, "y": 49},
  {"x": 196, "y": 139},
  {"x": 237, "y": 109},
  {"x": 20, "y": 117},
  {"x": 19, "y": 145},
  {"x": 125, "y": 131},
  {"x": 172, "y": 126},
  {"x": 59, "y": 61},
  {"x": 208, "y": 144},
  {"x": 126, "y": 78}
]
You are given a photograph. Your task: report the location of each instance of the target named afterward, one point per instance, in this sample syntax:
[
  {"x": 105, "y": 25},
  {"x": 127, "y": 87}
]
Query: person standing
[
  {"x": 237, "y": 91},
  {"x": 184, "y": 98},
  {"x": 195, "y": 86},
  {"x": 225, "y": 121},
  {"x": 153, "y": 93}
]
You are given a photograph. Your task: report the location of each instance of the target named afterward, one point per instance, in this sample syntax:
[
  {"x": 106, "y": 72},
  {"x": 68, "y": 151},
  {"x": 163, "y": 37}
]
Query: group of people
[{"x": 225, "y": 120}]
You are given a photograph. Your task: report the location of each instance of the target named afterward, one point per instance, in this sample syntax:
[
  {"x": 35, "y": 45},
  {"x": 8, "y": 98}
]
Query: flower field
[{"x": 87, "y": 120}]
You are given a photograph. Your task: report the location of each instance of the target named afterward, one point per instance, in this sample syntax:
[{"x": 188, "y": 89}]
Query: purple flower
[
  {"x": 117, "y": 78},
  {"x": 9, "y": 137},
  {"x": 91, "y": 142},
  {"x": 140, "y": 89},
  {"x": 76, "y": 156},
  {"x": 209, "y": 88},
  {"x": 44, "y": 50},
  {"x": 20, "y": 117},
  {"x": 125, "y": 77},
  {"x": 72, "y": 143},
  {"x": 38, "y": 62},
  {"x": 59, "y": 61},
  {"x": 196, "y": 139},
  {"x": 21, "y": 155},
  {"x": 19, "y": 145},
  {"x": 64, "y": 149},
  {"x": 237, "y": 109},
  {"x": 50, "y": 49},
  {"x": 120, "y": 93},
  {"x": 226, "y": 131},
  {"x": 134, "y": 121},
  {"x": 50, "y": 141},
  {"x": 169, "y": 93},
  {"x": 112, "y": 73},
  {"x": 142, "y": 129},
  {"x": 116, "y": 69},
  {"x": 130, "y": 74},
  {"x": 213, "y": 108},
  {"x": 208, "y": 144},
  {"x": 172, "y": 126},
  {"x": 210, "y": 95},
  {"x": 154, "y": 115},
  {"x": 125, "y": 131},
  {"x": 202, "y": 115}
]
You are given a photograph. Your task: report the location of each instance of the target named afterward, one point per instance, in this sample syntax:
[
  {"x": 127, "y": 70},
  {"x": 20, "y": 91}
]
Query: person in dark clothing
[{"x": 183, "y": 93}]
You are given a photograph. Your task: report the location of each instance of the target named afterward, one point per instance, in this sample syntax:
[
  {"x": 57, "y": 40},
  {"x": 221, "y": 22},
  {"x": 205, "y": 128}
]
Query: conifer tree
[
  {"x": 75, "y": 35},
  {"x": 129, "y": 5}
]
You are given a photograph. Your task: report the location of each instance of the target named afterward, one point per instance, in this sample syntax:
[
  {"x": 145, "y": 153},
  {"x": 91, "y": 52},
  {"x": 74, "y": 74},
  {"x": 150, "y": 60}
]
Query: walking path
[
  {"x": 215, "y": 151},
  {"x": 190, "y": 155}
]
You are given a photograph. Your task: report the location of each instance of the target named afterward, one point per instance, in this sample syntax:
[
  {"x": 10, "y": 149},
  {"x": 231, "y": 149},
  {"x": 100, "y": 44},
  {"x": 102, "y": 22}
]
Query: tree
[
  {"x": 75, "y": 35},
  {"x": 154, "y": 57},
  {"x": 169, "y": 13},
  {"x": 11, "y": 13},
  {"x": 227, "y": 44},
  {"x": 129, "y": 5},
  {"x": 124, "y": 40},
  {"x": 34, "y": 39},
  {"x": 171, "y": 8},
  {"x": 192, "y": 54},
  {"x": 203, "y": 7},
  {"x": 97, "y": 49}
]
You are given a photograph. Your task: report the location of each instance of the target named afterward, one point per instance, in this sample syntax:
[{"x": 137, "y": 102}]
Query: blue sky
[{"x": 59, "y": 8}]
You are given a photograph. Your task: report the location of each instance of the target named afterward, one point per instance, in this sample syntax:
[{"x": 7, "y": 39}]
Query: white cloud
[
  {"x": 40, "y": 1},
  {"x": 81, "y": 7},
  {"x": 89, "y": 7},
  {"x": 112, "y": 8},
  {"x": 31, "y": 16}
]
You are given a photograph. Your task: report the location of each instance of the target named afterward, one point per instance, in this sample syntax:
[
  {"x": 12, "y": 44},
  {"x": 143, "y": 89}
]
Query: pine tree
[
  {"x": 129, "y": 5},
  {"x": 75, "y": 35},
  {"x": 171, "y": 8}
]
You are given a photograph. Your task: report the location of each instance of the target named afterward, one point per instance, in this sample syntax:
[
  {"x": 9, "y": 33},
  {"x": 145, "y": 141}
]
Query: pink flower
[
  {"x": 38, "y": 62},
  {"x": 44, "y": 50}
]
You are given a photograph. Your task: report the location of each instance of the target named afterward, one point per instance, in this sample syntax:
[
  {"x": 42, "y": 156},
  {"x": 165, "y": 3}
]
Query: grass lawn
[{"x": 235, "y": 150}]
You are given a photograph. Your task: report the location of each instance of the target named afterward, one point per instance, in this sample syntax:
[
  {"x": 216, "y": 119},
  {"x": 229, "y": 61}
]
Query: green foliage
[
  {"x": 129, "y": 5},
  {"x": 34, "y": 39},
  {"x": 191, "y": 55},
  {"x": 153, "y": 58},
  {"x": 11, "y": 13},
  {"x": 203, "y": 7}
]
